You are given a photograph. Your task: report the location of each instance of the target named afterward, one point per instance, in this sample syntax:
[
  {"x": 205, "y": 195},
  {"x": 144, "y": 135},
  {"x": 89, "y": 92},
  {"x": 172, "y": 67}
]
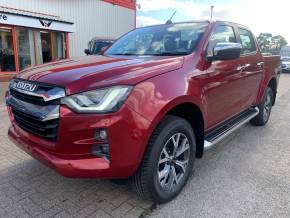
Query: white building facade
[{"x": 81, "y": 21}]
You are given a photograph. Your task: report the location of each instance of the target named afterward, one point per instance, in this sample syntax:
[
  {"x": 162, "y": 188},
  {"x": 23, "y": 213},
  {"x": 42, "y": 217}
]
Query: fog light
[
  {"x": 102, "y": 135},
  {"x": 105, "y": 149},
  {"x": 101, "y": 150}
]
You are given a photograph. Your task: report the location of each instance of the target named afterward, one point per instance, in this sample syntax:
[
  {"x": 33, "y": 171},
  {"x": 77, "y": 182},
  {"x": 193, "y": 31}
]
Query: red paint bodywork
[
  {"x": 219, "y": 90},
  {"x": 131, "y": 4}
]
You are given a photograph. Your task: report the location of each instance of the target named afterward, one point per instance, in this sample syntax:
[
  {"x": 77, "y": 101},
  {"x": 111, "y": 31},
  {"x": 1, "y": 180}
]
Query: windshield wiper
[
  {"x": 124, "y": 54},
  {"x": 157, "y": 54}
]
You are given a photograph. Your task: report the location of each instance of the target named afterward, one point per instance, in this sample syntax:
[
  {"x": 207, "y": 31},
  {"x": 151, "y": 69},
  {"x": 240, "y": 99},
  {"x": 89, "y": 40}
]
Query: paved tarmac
[{"x": 247, "y": 175}]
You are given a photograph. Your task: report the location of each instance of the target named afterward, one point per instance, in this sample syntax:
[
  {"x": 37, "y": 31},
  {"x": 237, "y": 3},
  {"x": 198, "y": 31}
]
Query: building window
[
  {"x": 46, "y": 48},
  {"x": 59, "y": 45},
  {"x": 25, "y": 43},
  {"x": 7, "y": 60},
  {"x": 43, "y": 44},
  {"x": 22, "y": 47}
]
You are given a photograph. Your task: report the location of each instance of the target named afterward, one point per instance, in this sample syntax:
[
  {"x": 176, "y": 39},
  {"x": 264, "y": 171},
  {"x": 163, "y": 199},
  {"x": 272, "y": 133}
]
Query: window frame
[{"x": 240, "y": 41}]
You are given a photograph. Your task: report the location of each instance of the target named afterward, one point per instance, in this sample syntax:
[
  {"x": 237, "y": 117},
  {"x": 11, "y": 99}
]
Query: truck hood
[{"x": 92, "y": 72}]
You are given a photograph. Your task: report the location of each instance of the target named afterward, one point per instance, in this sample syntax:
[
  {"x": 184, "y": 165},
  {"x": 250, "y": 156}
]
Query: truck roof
[{"x": 201, "y": 21}]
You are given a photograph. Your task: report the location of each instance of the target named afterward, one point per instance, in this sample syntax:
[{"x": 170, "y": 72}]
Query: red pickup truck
[{"x": 146, "y": 109}]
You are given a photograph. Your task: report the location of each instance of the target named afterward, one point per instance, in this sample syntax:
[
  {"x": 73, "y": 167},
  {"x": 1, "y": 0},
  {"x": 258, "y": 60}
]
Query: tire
[
  {"x": 156, "y": 180},
  {"x": 265, "y": 109}
]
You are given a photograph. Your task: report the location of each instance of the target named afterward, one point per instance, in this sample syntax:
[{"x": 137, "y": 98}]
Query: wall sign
[
  {"x": 3, "y": 17},
  {"x": 45, "y": 23},
  {"x": 18, "y": 20}
]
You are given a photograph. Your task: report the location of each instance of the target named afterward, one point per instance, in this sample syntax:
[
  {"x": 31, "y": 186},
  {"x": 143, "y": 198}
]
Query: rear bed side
[{"x": 272, "y": 71}]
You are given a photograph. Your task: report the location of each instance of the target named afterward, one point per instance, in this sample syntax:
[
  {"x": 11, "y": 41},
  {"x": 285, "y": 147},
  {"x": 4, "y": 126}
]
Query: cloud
[
  {"x": 260, "y": 15},
  {"x": 220, "y": 14},
  {"x": 147, "y": 21},
  {"x": 186, "y": 7},
  {"x": 153, "y": 5}
]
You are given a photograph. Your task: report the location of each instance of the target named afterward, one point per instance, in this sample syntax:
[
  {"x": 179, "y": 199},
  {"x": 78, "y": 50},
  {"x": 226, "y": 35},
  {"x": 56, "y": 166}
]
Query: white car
[{"x": 285, "y": 63}]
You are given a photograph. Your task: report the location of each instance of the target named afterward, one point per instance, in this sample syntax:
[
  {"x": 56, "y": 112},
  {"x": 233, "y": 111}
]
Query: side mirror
[
  {"x": 87, "y": 51},
  {"x": 225, "y": 51}
]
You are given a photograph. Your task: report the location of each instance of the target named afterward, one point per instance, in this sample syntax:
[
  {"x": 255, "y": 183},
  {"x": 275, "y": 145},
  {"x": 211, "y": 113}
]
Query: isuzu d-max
[{"x": 146, "y": 109}]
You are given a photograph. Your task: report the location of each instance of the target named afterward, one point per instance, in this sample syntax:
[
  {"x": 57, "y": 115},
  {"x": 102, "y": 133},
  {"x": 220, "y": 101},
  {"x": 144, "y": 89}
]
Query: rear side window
[
  {"x": 247, "y": 41},
  {"x": 221, "y": 34}
]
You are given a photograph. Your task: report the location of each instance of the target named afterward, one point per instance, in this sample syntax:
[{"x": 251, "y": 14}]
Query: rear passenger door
[{"x": 251, "y": 66}]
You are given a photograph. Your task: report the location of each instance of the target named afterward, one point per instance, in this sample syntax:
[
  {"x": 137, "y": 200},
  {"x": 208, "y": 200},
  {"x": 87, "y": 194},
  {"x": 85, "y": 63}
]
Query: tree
[
  {"x": 278, "y": 41},
  {"x": 264, "y": 40},
  {"x": 267, "y": 41}
]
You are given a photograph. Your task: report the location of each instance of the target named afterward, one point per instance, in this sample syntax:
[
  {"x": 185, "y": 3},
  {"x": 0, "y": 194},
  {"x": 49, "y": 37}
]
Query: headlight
[{"x": 98, "y": 101}]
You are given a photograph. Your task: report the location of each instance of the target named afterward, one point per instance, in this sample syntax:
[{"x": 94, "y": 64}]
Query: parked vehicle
[
  {"x": 146, "y": 109},
  {"x": 97, "y": 46},
  {"x": 285, "y": 64},
  {"x": 285, "y": 51}
]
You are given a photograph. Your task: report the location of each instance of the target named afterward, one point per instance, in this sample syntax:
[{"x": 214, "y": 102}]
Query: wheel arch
[
  {"x": 192, "y": 114},
  {"x": 270, "y": 81},
  {"x": 188, "y": 110}
]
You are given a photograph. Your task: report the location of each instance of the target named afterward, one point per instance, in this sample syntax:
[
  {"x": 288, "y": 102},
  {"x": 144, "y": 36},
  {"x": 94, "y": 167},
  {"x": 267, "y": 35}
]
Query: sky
[{"x": 272, "y": 16}]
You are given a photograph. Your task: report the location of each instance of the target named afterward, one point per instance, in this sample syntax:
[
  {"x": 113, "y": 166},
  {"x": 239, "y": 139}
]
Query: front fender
[{"x": 154, "y": 98}]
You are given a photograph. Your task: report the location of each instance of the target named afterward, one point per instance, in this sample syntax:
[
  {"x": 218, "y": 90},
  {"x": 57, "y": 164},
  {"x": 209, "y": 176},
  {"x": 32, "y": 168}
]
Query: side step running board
[{"x": 225, "y": 129}]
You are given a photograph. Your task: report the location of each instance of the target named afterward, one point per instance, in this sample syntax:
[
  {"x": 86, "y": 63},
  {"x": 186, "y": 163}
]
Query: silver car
[{"x": 285, "y": 64}]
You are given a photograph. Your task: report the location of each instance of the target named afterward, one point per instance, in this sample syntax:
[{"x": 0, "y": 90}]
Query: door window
[
  {"x": 247, "y": 41},
  {"x": 7, "y": 58},
  {"x": 221, "y": 34}
]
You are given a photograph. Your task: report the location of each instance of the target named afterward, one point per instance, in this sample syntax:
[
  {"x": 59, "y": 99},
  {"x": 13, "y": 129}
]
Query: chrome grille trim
[
  {"x": 43, "y": 113},
  {"x": 37, "y": 109},
  {"x": 52, "y": 94}
]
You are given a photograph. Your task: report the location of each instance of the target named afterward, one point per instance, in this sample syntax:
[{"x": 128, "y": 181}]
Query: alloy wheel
[
  {"x": 267, "y": 107},
  {"x": 173, "y": 161}
]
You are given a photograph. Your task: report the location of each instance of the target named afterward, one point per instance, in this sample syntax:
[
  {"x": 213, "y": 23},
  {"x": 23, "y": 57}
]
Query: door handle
[
  {"x": 260, "y": 64},
  {"x": 242, "y": 67}
]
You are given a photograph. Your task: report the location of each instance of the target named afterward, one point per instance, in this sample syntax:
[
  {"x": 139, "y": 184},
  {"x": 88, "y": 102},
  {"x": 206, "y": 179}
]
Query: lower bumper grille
[{"x": 31, "y": 124}]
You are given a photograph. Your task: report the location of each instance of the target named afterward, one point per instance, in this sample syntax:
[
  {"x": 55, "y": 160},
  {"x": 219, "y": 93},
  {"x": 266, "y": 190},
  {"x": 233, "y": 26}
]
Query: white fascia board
[{"x": 34, "y": 22}]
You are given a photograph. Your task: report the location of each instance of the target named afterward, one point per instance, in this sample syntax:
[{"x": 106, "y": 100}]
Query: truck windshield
[{"x": 163, "y": 40}]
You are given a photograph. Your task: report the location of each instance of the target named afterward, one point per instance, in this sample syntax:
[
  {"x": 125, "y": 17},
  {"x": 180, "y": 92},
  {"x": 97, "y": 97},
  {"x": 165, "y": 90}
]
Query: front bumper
[{"x": 71, "y": 154}]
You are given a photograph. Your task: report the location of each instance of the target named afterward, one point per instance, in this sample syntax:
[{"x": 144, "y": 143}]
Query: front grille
[
  {"x": 31, "y": 124},
  {"x": 37, "y": 111}
]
